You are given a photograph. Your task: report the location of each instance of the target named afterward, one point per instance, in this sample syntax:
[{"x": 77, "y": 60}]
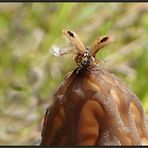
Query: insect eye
[
  {"x": 104, "y": 39},
  {"x": 71, "y": 34}
]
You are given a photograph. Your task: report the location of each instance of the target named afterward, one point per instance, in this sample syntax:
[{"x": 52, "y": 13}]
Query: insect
[{"x": 85, "y": 56}]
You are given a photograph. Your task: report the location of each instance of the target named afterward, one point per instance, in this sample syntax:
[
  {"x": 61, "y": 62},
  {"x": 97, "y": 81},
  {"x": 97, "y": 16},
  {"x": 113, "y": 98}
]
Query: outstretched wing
[
  {"x": 75, "y": 40},
  {"x": 100, "y": 43},
  {"x": 60, "y": 51}
]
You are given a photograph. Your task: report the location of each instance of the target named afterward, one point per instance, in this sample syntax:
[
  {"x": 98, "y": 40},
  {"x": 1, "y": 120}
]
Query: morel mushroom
[{"x": 93, "y": 106}]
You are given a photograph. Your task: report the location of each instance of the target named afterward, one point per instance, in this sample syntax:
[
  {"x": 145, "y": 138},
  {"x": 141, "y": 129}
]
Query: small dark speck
[
  {"x": 104, "y": 39},
  {"x": 71, "y": 34}
]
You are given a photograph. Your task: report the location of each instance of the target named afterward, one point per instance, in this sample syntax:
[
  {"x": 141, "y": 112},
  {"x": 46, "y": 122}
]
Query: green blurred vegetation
[{"x": 30, "y": 74}]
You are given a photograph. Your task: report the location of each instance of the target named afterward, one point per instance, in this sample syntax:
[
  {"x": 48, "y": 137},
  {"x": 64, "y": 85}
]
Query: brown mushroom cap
[{"x": 99, "y": 100}]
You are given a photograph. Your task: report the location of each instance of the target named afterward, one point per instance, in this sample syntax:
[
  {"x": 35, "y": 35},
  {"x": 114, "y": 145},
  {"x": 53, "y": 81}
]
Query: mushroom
[{"x": 92, "y": 106}]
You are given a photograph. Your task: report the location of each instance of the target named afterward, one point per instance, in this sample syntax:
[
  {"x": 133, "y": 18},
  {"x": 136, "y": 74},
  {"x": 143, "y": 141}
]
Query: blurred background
[{"x": 30, "y": 73}]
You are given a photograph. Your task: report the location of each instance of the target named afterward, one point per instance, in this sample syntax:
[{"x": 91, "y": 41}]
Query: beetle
[{"x": 86, "y": 56}]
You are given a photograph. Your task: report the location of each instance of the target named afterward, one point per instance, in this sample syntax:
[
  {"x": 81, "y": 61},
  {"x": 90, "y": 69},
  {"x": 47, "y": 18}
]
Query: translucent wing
[
  {"x": 61, "y": 51},
  {"x": 75, "y": 40},
  {"x": 100, "y": 43}
]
